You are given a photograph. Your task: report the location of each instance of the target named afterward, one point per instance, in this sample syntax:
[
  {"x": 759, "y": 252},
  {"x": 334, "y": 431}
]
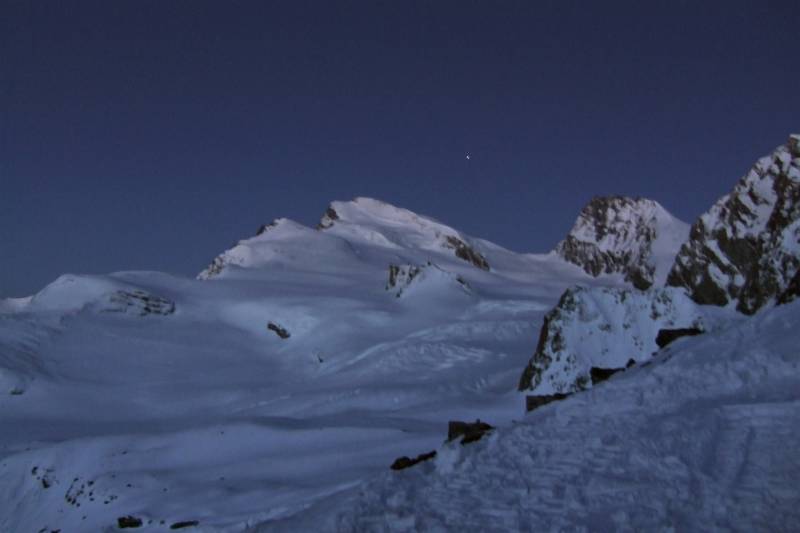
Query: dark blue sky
[{"x": 153, "y": 134}]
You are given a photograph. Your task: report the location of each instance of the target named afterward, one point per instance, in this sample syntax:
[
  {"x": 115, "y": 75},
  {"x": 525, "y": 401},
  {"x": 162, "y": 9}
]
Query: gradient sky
[{"x": 155, "y": 134}]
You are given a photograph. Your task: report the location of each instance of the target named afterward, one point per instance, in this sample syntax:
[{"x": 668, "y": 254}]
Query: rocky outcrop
[
  {"x": 667, "y": 336},
  {"x": 404, "y": 462},
  {"x": 792, "y": 290},
  {"x": 328, "y": 218},
  {"x": 535, "y": 401},
  {"x": 280, "y": 331},
  {"x": 746, "y": 248},
  {"x": 466, "y": 252},
  {"x": 402, "y": 277},
  {"x": 634, "y": 237},
  {"x": 468, "y": 431},
  {"x": 138, "y": 302},
  {"x": 603, "y": 328}
]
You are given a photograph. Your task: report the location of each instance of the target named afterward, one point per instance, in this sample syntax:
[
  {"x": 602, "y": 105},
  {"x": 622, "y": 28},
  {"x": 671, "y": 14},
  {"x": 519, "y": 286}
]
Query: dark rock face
[
  {"x": 666, "y": 336},
  {"x": 598, "y": 375},
  {"x": 470, "y": 431},
  {"x": 745, "y": 248},
  {"x": 401, "y": 276},
  {"x": 405, "y": 462},
  {"x": 615, "y": 234},
  {"x": 534, "y": 402},
  {"x": 125, "y": 522},
  {"x": 328, "y": 218},
  {"x": 280, "y": 331},
  {"x": 466, "y": 252},
  {"x": 140, "y": 303},
  {"x": 792, "y": 290}
]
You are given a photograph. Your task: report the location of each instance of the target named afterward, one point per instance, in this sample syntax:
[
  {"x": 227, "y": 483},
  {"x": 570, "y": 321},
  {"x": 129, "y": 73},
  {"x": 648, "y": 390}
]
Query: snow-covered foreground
[{"x": 705, "y": 437}]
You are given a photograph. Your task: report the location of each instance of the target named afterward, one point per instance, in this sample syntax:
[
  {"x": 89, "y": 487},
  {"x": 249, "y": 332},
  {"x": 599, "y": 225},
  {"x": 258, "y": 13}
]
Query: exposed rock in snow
[
  {"x": 635, "y": 237},
  {"x": 401, "y": 277},
  {"x": 137, "y": 302},
  {"x": 792, "y": 291},
  {"x": 328, "y": 218},
  {"x": 280, "y": 331},
  {"x": 603, "y": 328},
  {"x": 746, "y": 248},
  {"x": 466, "y": 252}
]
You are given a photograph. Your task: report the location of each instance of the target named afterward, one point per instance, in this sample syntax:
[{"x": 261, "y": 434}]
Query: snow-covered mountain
[
  {"x": 746, "y": 248},
  {"x": 289, "y": 371},
  {"x": 350, "y": 235},
  {"x": 274, "y": 391},
  {"x": 634, "y": 237}
]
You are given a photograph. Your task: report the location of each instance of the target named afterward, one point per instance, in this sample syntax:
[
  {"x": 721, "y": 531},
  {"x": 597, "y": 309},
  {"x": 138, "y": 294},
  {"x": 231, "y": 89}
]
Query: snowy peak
[
  {"x": 635, "y": 237},
  {"x": 361, "y": 231},
  {"x": 378, "y": 223},
  {"x": 746, "y": 248}
]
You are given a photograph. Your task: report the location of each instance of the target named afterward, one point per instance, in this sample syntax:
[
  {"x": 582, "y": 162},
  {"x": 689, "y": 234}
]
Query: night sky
[{"x": 155, "y": 134}]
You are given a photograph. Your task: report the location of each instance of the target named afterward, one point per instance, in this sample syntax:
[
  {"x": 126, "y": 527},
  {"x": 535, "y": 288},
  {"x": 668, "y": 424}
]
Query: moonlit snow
[{"x": 166, "y": 399}]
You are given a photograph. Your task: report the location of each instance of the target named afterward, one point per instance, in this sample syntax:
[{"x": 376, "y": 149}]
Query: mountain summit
[{"x": 635, "y": 237}]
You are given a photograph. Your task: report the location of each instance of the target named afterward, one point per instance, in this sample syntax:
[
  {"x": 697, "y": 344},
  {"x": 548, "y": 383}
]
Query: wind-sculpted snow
[
  {"x": 604, "y": 328},
  {"x": 634, "y": 237},
  {"x": 746, "y": 248},
  {"x": 704, "y": 438}
]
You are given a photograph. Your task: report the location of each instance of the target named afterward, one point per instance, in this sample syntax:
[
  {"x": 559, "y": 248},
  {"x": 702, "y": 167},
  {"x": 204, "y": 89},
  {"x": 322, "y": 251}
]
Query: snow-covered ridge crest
[
  {"x": 605, "y": 328},
  {"x": 350, "y": 232},
  {"x": 380, "y": 223},
  {"x": 635, "y": 237},
  {"x": 746, "y": 248}
]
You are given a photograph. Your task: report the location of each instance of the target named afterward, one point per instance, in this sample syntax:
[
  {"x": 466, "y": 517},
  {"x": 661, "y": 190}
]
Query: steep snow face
[
  {"x": 746, "y": 248},
  {"x": 378, "y": 223},
  {"x": 635, "y": 237},
  {"x": 704, "y": 438},
  {"x": 604, "y": 328}
]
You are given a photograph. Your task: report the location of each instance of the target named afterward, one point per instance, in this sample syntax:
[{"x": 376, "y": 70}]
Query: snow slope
[{"x": 704, "y": 438}]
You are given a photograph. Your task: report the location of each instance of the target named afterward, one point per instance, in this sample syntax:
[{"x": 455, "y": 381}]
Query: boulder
[
  {"x": 469, "y": 431},
  {"x": 280, "y": 331}
]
